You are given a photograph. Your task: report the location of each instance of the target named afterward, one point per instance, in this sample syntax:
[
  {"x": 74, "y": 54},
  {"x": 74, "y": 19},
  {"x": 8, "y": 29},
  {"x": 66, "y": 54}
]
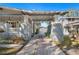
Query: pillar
[
  {"x": 33, "y": 27},
  {"x": 57, "y": 31},
  {"x": 27, "y": 27}
]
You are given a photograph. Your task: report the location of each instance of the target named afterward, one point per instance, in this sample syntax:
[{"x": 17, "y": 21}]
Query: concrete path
[
  {"x": 73, "y": 51},
  {"x": 40, "y": 46}
]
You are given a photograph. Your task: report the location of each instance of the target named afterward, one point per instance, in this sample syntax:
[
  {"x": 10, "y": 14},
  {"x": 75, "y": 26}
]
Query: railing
[{"x": 75, "y": 21}]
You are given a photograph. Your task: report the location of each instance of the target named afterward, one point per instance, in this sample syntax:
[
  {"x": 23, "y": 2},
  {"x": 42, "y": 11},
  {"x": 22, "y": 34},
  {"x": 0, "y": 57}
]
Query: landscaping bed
[
  {"x": 13, "y": 39},
  {"x": 70, "y": 46},
  {"x": 10, "y": 44},
  {"x": 6, "y": 51}
]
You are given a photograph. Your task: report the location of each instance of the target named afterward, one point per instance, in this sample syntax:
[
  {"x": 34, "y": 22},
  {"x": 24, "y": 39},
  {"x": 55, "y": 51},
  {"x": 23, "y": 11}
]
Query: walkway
[{"x": 40, "y": 46}]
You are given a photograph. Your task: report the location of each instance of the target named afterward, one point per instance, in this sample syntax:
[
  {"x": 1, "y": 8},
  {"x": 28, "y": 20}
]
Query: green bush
[
  {"x": 37, "y": 31},
  {"x": 47, "y": 34},
  {"x": 67, "y": 41}
]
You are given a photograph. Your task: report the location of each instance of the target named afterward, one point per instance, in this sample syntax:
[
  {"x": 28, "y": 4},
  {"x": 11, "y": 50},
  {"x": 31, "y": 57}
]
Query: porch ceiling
[{"x": 42, "y": 17}]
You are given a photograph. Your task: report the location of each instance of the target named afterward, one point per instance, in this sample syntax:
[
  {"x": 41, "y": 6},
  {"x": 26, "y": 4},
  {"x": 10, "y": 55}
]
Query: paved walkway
[
  {"x": 40, "y": 46},
  {"x": 73, "y": 51}
]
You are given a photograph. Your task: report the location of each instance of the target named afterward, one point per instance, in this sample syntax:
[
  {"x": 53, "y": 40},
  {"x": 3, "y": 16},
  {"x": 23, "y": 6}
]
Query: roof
[{"x": 7, "y": 10}]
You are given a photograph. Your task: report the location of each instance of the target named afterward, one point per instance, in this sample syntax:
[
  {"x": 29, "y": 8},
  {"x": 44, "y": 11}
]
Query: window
[{"x": 13, "y": 23}]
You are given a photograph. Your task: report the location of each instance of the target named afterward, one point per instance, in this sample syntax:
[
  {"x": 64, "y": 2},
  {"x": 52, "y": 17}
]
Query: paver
[{"x": 40, "y": 47}]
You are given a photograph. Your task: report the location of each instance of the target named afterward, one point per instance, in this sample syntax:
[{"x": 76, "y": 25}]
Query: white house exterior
[{"x": 70, "y": 22}]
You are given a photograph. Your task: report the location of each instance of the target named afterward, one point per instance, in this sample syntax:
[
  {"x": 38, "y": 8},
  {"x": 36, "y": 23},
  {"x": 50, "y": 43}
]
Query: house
[
  {"x": 26, "y": 21},
  {"x": 70, "y": 22}
]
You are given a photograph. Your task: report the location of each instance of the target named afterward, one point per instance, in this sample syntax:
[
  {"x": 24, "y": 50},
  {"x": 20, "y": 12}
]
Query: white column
[
  {"x": 64, "y": 24},
  {"x": 27, "y": 26},
  {"x": 57, "y": 32},
  {"x": 25, "y": 19}
]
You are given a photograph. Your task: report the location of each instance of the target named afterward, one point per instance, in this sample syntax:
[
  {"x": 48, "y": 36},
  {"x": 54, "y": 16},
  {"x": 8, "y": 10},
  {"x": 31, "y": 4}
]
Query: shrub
[
  {"x": 37, "y": 31},
  {"x": 67, "y": 41},
  {"x": 47, "y": 34}
]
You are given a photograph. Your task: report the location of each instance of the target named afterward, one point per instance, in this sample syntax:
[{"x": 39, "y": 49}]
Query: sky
[{"x": 42, "y": 6}]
